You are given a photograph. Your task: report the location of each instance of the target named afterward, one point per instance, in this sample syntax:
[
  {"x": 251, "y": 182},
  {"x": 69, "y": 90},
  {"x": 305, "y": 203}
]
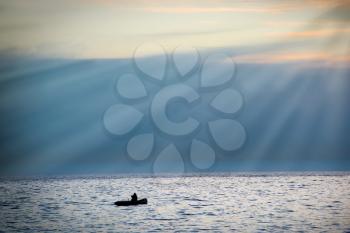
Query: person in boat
[{"x": 134, "y": 198}]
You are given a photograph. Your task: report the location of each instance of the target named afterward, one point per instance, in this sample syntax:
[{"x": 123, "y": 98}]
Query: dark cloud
[
  {"x": 17, "y": 27},
  {"x": 339, "y": 13}
]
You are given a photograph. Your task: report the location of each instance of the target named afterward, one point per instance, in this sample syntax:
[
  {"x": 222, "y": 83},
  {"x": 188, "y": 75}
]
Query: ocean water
[{"x": 241, "y": 203}]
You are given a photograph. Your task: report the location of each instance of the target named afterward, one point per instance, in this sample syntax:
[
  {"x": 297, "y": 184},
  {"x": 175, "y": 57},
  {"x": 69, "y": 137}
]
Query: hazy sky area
[
  {"x": 112, "y": 29},
  {"x": 61, "y": 62}
]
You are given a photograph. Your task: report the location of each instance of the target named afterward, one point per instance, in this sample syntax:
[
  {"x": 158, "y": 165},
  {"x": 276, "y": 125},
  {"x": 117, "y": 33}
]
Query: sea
[{"x": 229, "y": 202}]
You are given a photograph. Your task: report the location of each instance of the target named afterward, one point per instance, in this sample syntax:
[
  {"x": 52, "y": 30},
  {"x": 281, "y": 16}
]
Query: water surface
[{"x": 253, "y": 203}]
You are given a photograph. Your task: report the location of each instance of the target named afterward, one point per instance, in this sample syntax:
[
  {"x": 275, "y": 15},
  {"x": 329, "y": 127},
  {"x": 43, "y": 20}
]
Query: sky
[
  {"x": 112, "y": 29},
  {"x": 61, "y": 63}
]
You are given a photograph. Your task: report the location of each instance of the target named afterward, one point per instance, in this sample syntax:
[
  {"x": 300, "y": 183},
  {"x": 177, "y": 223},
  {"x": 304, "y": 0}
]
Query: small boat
[{"x": 127, "y": 203}]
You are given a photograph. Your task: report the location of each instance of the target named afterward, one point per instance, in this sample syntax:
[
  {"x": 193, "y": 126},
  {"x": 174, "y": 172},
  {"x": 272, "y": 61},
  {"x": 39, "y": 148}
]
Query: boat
[{"x": 127, "y": 203}]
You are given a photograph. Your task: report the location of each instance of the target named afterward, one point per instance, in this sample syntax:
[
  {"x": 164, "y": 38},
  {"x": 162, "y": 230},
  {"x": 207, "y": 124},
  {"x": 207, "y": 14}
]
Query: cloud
[
  {"x": 287, "y": 57},
  {"x": 191, "y": 10},
  {"x": 251, "y": 7},
  {"x": 314, "y": 33},
  {"x": 339, "y": 13}
]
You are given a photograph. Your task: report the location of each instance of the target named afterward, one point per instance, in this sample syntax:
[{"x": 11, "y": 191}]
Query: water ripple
[{"x": 218, "y": 203}]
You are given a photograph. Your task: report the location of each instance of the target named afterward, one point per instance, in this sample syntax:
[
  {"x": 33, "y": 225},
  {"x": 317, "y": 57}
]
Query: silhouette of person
[{"x": 134, "y": 197}]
